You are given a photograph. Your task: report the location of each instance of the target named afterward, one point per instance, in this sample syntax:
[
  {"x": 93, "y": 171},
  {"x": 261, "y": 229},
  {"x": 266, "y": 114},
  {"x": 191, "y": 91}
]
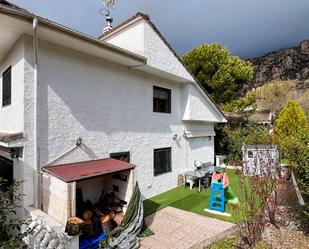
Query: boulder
[{"x": 304, "y": 46}]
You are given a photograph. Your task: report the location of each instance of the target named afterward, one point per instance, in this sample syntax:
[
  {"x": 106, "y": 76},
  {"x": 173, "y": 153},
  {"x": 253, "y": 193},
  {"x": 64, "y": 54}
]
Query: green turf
[{"x": 190, "y": 200}]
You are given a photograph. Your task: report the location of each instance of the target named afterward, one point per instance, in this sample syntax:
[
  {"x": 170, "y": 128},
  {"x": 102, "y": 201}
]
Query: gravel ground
[{"x": 293, "y": 236}]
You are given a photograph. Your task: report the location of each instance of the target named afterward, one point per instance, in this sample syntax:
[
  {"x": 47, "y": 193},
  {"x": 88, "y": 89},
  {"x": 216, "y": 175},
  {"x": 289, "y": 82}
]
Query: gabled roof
[
  {"x": 11, "y": 5},
  {"x": 147, "y": 19}
]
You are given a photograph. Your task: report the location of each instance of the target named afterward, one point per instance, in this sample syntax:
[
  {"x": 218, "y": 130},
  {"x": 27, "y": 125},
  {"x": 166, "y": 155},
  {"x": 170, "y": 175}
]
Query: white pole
[{"x": 37, "y": 182}]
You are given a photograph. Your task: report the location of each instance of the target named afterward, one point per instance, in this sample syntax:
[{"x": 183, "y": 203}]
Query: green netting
[{"x": 125, "y": 236}]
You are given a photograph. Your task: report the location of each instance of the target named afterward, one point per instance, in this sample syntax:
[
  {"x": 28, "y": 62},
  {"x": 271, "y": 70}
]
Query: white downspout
[{"x": 37, "y": 178}]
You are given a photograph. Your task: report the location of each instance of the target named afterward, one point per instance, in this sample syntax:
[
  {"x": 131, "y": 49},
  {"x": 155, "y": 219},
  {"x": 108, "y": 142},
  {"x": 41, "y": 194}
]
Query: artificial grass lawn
[{"x": 191, "y": 200}]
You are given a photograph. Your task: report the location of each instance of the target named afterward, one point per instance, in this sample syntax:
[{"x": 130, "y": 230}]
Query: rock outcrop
[{"x": 285, "y": 64}]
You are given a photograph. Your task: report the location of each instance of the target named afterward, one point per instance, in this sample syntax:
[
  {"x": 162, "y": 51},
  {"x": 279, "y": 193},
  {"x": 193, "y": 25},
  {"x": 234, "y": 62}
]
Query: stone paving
[{"x": 176, "y": 228}]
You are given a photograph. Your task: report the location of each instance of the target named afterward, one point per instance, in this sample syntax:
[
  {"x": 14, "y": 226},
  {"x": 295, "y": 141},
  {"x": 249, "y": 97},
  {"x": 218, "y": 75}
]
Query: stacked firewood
[{"x": 102, "y": 217}]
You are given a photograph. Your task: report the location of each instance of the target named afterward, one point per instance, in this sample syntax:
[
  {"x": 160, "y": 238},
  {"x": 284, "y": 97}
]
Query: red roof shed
[{"x": 82, "y": 170}]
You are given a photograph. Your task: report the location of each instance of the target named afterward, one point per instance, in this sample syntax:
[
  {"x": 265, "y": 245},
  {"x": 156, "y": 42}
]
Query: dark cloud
[{"x": 246, "y": 27}]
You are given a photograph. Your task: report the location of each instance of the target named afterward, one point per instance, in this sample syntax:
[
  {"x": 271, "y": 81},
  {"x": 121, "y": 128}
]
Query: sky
[{"x": 248, "y": 28}]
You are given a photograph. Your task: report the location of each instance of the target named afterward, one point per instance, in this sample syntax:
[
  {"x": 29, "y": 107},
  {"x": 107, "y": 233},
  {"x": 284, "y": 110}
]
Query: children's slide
[{"x": 230, "y": 197}]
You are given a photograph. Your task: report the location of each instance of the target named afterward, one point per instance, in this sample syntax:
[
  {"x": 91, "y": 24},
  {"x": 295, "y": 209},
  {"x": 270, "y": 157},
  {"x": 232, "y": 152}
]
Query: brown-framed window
[
  {"x": 161, "y": 99},
  {"x": 6, "y": 87},
  {"x": 162, "y": 160}
]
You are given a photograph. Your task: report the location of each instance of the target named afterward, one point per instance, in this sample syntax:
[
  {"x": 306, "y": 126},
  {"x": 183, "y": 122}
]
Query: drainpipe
[{"x": 37, "y": 178}]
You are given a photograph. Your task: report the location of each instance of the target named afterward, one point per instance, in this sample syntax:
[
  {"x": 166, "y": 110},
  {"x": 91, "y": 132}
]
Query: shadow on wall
[{"x": 88, "y": 97}]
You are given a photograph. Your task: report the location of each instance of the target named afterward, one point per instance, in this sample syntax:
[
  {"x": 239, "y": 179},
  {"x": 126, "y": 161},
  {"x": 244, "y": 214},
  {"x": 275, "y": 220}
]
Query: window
[
  {"x": 6, "y": 170},
  {"x": 6, "y": 87},
  {"x": 162, "y": 161},
  {"x": 123, "y": 156},
  {"x": 161, "y": 99},
  {"x": 250, "y": 154}
]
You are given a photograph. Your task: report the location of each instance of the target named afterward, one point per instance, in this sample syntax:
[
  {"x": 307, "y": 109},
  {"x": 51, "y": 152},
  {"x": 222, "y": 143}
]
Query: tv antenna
[{"x": 109, "y": 5}]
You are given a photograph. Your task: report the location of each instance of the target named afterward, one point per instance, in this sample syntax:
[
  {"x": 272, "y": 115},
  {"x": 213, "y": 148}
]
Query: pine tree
[{"x": 221, "y": 74}]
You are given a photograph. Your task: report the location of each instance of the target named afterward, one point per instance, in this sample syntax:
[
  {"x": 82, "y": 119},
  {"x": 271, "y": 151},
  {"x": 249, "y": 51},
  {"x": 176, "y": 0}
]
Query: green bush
[
  {"x": 292, "y": 135},
  {"x": 232, "y": 140},
  {"x": 10, "y": 223},
  {"x": 297, "y": 154},
  {"x": 290, "y": 120}
]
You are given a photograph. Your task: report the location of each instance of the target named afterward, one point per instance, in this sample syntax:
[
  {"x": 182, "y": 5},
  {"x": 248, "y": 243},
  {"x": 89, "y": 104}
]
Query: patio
[
  {"x": 191, "y": 200},
  {"x": 175, "y": 228}
]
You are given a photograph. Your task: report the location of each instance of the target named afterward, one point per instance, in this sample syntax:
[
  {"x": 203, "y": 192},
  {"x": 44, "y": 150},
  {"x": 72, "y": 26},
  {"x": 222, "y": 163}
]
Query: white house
[{"x": 126, "y": 94}]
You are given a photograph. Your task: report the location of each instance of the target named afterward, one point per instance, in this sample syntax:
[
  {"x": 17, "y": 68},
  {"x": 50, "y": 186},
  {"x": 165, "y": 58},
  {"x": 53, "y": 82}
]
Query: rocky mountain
[{"x": 285, "y": 64}]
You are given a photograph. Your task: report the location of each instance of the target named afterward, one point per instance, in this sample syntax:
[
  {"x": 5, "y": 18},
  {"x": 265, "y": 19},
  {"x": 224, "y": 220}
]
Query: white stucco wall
[
  {"x": 28, "y": 149},
  {"x": 15, "y": 117},
  {"x": 91, "y": 188},
  {"x": 12, "y": 116},
  {"x": 110, "y": 107},
  {"x": 197, "y": 107},
  {"x": 160, "y": 56},
  {"x": 141, "y": 38},
  {"x": 124, "y": 39}
]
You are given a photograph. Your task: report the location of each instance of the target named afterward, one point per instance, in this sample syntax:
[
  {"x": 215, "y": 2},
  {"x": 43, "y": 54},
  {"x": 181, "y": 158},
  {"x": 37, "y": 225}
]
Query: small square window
[
  {"x": 161, "y": 99},
  {"x": 123, "y": 156},
  {"x": 250, "y": 154},
  {"x": 6, "y": 87},
  {"x": 162, "y": 161}
]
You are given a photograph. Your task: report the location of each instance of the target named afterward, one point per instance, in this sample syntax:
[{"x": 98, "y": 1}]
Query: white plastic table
[{"x": 198, "y": 174}]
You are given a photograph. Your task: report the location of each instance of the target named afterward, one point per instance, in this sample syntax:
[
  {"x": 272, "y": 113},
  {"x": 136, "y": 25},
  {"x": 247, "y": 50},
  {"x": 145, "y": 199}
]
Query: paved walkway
[{"x": 175, "y": 228}]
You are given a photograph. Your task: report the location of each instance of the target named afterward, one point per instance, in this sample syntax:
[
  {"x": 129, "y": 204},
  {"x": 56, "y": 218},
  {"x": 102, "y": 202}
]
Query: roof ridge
[{"x": 11, "y": 5}]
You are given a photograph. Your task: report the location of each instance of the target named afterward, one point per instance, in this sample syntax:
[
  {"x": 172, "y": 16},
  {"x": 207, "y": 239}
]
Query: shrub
[
  {"x": 297, "y": 154},
  {"x": 10, "y": 223},
  {"x": 234, "y": 139},
  {"x": 290, "y": 120}
]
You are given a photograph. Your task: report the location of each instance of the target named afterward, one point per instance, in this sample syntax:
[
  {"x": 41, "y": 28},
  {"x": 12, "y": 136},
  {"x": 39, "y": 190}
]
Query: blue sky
[{"x": 248, "y": 28}]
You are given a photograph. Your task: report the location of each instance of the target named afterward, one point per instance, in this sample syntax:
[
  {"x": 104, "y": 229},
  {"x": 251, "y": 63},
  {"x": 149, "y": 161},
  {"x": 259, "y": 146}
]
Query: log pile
[{"x": 96, "y": 219}]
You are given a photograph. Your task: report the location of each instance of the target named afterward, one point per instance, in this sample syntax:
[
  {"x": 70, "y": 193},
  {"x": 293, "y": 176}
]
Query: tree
[
  {"x": 290, "y": 120},
  {"x": 244, "y": 106},
  {"x": 221, "y": 74},
  {"x": 234, "y": 138}
]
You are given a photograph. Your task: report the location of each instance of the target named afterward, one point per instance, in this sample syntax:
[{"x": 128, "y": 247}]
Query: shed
[
  {"x": 260, "y": 159},
  {"x": 60, "y": 184}
]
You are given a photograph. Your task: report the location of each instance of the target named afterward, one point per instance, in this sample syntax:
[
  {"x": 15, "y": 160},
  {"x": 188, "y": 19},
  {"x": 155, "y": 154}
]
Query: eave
[{"x": 19, "y": 23}]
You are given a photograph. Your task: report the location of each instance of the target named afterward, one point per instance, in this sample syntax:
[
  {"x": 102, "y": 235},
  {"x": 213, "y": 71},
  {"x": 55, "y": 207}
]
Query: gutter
[
  {"x": 37, "y": 177},
  {"x": 74, "y": 33}
]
